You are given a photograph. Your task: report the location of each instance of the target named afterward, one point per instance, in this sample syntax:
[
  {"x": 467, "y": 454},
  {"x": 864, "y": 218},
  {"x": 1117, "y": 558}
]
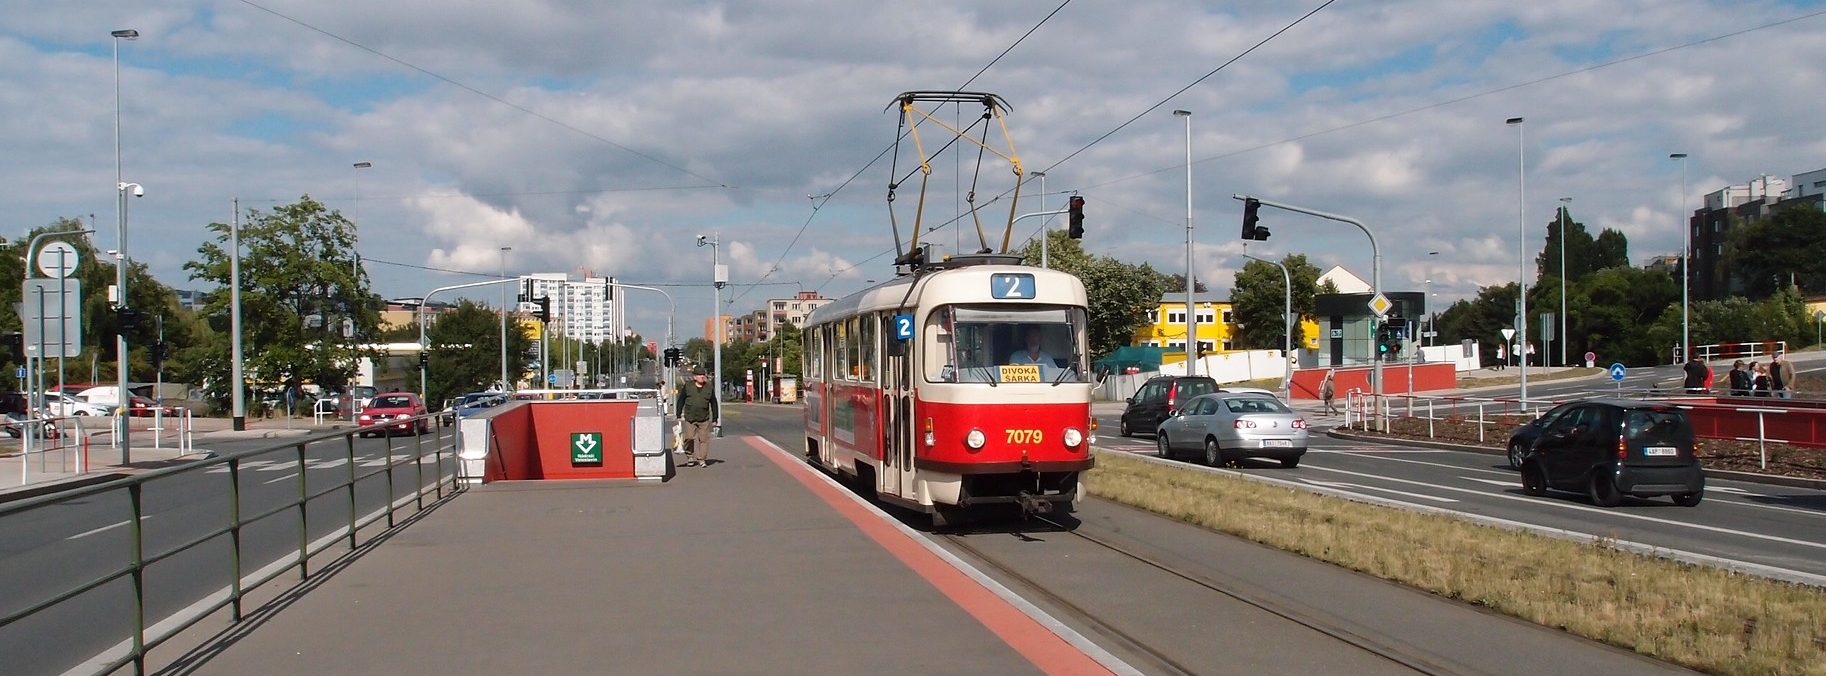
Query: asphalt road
[
  {"x": 60, "y": 547},
  {"x": 1756, "y": 523}
]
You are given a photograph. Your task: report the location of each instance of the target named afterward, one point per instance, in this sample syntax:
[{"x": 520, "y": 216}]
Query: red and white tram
[{"x": 960, "y": 385}]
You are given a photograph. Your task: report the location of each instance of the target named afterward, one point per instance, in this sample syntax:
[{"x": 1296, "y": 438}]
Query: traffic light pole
[
  {"x": 423, "y": 388},
  {"x": 1044, "y": 231},
  {"x": 1375, "y": 261}
]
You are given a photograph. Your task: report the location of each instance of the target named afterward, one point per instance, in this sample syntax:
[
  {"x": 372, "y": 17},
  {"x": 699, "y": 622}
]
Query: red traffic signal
[{"x": 1076, "y": 229}]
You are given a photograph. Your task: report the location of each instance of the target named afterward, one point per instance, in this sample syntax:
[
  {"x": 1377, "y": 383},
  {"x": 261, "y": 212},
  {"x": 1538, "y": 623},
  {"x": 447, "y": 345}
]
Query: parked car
[
  {"x": 1611, "y": 448},
  {"x": 1232, "y": 426},
  {"x": 1249, "y": 390},
  {"x": 62, "y": 405},
  {"x": 1523, "y": 437},
  {"x": 1158, "y": 399},
  {"x": 144, "y": 406},
  {"x": 385, "y": 408}
]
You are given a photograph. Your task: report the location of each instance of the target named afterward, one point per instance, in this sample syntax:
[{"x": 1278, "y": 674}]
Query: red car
[{"x": 384, "y": 408}]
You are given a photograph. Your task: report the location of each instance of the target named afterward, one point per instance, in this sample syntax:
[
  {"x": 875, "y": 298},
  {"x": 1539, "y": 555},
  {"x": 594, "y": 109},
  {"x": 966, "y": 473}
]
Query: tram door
[{"x": 897, "y": 411}]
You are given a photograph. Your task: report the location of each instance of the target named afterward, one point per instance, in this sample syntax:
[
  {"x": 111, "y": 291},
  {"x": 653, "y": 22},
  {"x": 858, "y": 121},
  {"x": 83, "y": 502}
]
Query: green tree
[
  {"x": 1786, "y": 248},
  {"x": 1176, "y": 283},
  {"x": 299, "y": 289},
  {"x": 1621, "y": 313},
  {"x": 1259, "y": 297},
  {"x": 94, "y": 273},
  {"x": 1584, "y": 255},
  {"x": 1120, "y": 294},
  {"x": 466, "y": 351},
  {"x": 1481, "y": 319}
]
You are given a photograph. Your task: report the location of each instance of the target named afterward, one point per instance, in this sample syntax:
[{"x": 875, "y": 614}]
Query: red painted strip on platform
[{"x": 1039, "y": 645}]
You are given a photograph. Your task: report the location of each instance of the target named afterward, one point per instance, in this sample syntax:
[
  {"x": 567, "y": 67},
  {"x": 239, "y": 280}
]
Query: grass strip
[{"x": 1698, "y": 617}]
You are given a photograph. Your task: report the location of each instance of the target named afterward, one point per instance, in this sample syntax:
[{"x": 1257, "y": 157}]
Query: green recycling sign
[{"x": 586, "y": 448}]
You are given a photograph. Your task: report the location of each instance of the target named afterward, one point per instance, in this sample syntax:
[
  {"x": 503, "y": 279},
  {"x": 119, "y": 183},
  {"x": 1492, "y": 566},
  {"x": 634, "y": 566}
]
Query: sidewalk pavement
[{"x": 57, "y": 468}]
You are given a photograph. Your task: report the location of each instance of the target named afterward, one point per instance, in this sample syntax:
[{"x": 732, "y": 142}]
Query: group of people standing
[{"x": 1774, "y": 378}]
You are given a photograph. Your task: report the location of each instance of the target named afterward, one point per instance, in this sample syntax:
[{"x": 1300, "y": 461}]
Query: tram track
[{"x": 1162, "y": 658}]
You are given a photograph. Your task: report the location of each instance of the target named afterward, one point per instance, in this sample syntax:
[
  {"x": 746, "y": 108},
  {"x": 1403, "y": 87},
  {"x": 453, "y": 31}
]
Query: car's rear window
[
  {"x": 1656, "y": 426},
  {"x": 1189, "y": 388},
  {"x": 1254, "y": 405},
  {"x": 391, "y": 402}
]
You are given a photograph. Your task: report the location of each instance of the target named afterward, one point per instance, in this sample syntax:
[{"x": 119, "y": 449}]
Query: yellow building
[{"x": 1166, "y": 327}]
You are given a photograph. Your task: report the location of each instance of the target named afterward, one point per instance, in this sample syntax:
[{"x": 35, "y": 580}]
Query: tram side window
[
  {"x": 812, "y": 344},
  {"x": 840, "y": 348},
  {"x": 866, "y": 348}
]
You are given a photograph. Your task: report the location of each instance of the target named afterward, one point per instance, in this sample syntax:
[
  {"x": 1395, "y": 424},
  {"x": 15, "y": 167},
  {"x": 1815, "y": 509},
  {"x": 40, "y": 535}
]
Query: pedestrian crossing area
[{"x": 291, "y": 464}]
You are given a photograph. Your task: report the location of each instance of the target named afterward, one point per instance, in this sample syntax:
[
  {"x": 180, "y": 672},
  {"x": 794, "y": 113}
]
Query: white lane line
[
  {"x": 1459, "y": 468},
  {"x": 1341, "y": 484},
  {"x": 1738, "y": 491},
  {"x": 1375, "y": 451},
  {"x": 1567, "y": 505},
  {"x": 1493, "y": 482},
  {"x": 277, "y": 480},
  {"x": 103, "y": 529}
]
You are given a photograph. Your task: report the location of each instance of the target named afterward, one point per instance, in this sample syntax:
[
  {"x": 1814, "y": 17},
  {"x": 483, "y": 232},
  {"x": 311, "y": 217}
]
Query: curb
[
  {"x": 56, "y": 486},
  {"x": 1732, "y": 475}
]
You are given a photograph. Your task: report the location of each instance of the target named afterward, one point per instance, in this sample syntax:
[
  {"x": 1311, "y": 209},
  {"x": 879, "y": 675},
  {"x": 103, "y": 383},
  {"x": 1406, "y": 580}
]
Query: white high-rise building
[{"x": 589, "y": 310}]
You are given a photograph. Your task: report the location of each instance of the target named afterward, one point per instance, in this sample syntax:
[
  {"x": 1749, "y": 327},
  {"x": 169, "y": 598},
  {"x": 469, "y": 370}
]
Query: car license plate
[
  {"x": 1660, "y": 451},
  {"x": 1276, "y": 443}
]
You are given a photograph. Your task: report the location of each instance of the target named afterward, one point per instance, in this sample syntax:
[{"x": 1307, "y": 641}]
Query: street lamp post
[
  {"x": 717, "y": 280},
  {"x": 505, "y": 387},
  {"x": 354, "y": 250},
  {"x": 1565, "y": 320},
  {"x": 120, "y": 186},
  {"x": 1521, "y": 207},
  {"x": 236, "y": 379},
  {"x": 1432, "y": 317},
  {"x": 1686, "y": 259},
  {"x": 1045, "y": 230},
  {"x": 1191, "y": 310}
]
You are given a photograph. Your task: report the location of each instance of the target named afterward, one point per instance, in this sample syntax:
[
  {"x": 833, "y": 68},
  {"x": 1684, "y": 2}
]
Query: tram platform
[{"x": 753, "y": 564}]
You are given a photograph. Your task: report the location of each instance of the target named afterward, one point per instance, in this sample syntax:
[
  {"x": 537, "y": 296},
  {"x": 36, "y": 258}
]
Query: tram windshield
[{"x": 1005, "y": 344}]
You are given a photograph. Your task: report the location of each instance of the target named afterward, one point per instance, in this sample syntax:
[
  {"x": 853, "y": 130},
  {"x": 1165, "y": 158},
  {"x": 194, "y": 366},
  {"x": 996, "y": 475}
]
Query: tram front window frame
[{"x": 971, "y": 343}]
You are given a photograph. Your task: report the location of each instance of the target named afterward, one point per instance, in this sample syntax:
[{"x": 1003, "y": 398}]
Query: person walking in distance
[
  {"x": 697, "y": 406},
  {"x": 1739, "y": 379},
  {"x": 1327, "y": 390},
  {"x": 1695, "y": 381},
  {"x": 1781, "y": 376}
]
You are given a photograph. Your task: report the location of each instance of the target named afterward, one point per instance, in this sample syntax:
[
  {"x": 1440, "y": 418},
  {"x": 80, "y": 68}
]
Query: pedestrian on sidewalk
[
  {"x": 1739, "y": 379},
  {"x": 697, "y": 406},
  {"x": 1759, "y": 383},
  {"x": 1327, "y": 390},
  {"x": 1502, "y": 357},
  {"x": 1695, "y": 381},
  {"x": 1781, "y": 376}
]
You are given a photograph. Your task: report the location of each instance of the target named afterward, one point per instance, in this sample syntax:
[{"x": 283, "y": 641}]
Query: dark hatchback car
[
  {"x": 1523, "y": 437},
  {"x": 1158, "y": 399},
  {"x": 1611, "y": 448}
]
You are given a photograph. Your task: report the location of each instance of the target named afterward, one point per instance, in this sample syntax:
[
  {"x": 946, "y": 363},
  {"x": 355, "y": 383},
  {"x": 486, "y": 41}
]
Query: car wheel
[
  {"x": 1534, "y": 481},
  {"x": 1122, "y": 428},
  {"x": 81, "y": 412},
  {"x": 1290, "y": 463},
  {"x": 1690, "y": 499},
  {"x": 1214, "y": 456},
  {"x": 1161, "y": 447},
  {"x": 1515, "y": 454},
  {"x": 1602, "y": 491}
]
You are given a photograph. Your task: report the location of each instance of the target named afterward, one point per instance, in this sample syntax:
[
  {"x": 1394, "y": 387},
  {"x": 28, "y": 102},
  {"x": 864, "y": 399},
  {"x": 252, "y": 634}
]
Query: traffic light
[
  {"x": 1250, "y": 229},
  {"x": 674, "y": 356},
  {"x": 127, "y": 319},
  {"x": 1389, "y": 338},
  {"x": 424, "y": 360},
  {"x": 158, "y": 356},
  {"x": 544, "y": 313},
  {"x": 1076, "y": 229}
]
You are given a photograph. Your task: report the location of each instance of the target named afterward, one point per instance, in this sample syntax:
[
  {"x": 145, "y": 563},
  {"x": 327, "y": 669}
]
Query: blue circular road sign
[{"x": 1616, "y": 371}]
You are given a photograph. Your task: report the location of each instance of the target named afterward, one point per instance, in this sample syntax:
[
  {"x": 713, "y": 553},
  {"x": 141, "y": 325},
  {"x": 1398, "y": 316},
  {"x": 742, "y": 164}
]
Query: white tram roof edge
[{"x": 970, "y": 284}]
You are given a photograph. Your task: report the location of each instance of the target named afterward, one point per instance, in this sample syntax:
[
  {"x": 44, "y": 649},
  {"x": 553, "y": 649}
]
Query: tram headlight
[
  {"x": 975, "y": 439},
  {"x": 1073, "y": 437},
  {"x": 931, "y": 440}
]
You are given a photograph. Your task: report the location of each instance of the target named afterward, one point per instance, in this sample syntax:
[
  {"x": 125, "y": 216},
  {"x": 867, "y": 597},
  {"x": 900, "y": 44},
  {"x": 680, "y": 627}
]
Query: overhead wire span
[{"x": 447, "y": 80}]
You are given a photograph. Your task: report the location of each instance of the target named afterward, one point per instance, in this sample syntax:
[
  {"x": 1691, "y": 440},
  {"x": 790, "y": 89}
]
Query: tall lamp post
[
  {"x": 717, "y": 279},
  {"x": 1191, "y": 310},
  {"x": 1521, "y": 207},
  {"x": 1432, "y": 316},
  {"x": 1045, "y": 228},
  {"x": 505, "y": 387},
  {"x": 1565, "y": 320},
  {"x": 354, "y": 251},
  {"x": 1686, "y": 258},
  {"x": 120, "y": 186}
]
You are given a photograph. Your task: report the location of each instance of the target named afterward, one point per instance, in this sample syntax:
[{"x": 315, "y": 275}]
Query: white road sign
[
  {"x": 58, "y": 259},
  {"x": 50, "y": 311}
]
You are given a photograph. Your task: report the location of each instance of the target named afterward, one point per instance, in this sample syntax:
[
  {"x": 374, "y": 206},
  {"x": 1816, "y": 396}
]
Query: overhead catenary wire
[{"x": 473, "y": 90}]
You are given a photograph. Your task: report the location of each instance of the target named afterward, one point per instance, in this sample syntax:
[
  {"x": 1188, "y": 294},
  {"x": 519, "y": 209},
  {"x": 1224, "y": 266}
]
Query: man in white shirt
[{"x": 1032, "y": 353}]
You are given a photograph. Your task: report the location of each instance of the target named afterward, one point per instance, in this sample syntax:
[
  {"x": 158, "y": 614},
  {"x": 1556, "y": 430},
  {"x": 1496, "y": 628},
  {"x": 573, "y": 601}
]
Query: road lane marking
[
  {"x": 1374, "y": 451},
  {"x": 1583, "y": 508},
  {"x": 1438, "y": 464},
  {"x": 274, "y": 481},
  {"x": 1341, "y": 484},
  {"x": 108, "y": 527},
  {"x": 1493, "y": 482}
]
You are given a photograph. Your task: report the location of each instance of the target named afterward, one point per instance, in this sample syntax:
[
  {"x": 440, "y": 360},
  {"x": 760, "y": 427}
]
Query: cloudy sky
[{"x": 605, "y": 135}]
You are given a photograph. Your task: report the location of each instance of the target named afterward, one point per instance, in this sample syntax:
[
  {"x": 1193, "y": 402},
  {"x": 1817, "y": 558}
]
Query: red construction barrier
[
  {"x": 541, "y": 440},
  {"x": 1441, "y": 376}
]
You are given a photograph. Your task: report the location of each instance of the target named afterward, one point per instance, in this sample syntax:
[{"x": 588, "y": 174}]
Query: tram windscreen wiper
[{"x": 1069, "y": 369}]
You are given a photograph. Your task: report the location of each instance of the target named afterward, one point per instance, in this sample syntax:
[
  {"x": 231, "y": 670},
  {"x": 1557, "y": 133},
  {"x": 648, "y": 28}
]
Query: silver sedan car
[{"x": 1230, "y": 426}]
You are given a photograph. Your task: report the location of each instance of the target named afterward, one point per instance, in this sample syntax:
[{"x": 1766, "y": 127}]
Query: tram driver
[{"x": 1031, "y": 351}]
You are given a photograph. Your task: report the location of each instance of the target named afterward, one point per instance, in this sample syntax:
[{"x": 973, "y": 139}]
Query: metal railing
[
  {"x": 1494, "y": 417},
  {"x": 240, "y": 515}
]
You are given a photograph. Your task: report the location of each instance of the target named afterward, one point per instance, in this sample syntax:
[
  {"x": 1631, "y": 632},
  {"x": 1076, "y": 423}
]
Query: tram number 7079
[{"x": 1024, "y": 436}]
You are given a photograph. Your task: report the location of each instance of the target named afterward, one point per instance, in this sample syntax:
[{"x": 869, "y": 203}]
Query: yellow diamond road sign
[{"x": 1380, "y": 304}]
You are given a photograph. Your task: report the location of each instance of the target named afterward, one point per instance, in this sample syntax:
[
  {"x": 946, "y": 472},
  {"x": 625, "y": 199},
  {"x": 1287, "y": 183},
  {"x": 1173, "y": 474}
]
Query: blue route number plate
[{"x": 1009, "y": 285}]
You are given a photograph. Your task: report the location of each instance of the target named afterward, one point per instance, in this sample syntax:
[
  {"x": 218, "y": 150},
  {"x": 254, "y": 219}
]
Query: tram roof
[{"x": 956, "y": 285}]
